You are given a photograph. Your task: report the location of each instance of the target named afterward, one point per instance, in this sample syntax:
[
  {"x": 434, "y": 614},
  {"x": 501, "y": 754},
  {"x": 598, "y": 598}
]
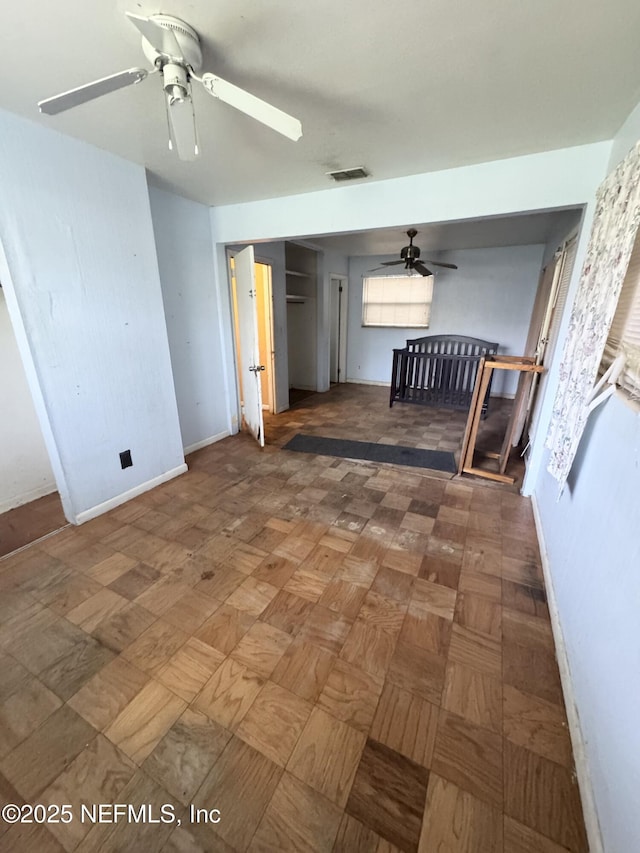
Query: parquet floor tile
[
  {"x": 406, "y": 723},
  {"x": 338, "y": 655},
  {"x": 456, "y": 820},
  {"x": 304, "y": 669},
  {"x": 184, "y": 756},
  {"x": 240, "y": 784},
  {"x": 388, "y": 795},
  {"x": 297, "y": 820},
  {"x": 470, "y": 756},
  {"x": 145, "y": 720},
  {"x": 326, "y": 756},
  {"x": 275, "y": 722}
]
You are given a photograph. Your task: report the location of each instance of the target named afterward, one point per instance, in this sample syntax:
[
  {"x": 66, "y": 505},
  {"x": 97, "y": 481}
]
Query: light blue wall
[
  {"x": 186, "y": 262},
  {"x": 593, "y": 548},
  {"x": 593, "y": 551},
  {"x": 489, "y": 296},
  {"x": 85, "y": 300}
]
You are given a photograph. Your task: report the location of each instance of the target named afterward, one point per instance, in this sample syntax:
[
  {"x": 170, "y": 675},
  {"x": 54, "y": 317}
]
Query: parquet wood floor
[{"x": 338, "y": 656}]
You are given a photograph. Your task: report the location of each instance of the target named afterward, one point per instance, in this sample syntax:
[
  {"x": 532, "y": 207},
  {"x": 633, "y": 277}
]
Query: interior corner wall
[
  {"x": 75, "y": 226},
  {"x": 625, "y": 138},
  {"x": 25, "y": 470},
  {"x": 569, "y": 224},
  {"x": 489, "y": 296},
  {"x": 186, "y": 263}
]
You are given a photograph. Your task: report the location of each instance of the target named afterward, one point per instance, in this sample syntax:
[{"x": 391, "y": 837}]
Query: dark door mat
[{"x": 416, "y": 457}]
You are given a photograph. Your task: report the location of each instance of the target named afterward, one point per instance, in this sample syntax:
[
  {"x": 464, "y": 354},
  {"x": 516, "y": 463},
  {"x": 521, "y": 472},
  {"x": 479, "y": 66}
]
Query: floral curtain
[{"x": 616, "y": 220}]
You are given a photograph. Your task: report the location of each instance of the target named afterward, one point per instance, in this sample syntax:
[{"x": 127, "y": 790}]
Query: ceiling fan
[
  {"x": 173, "y": 48},
  {"x": 410, "y": 257}
]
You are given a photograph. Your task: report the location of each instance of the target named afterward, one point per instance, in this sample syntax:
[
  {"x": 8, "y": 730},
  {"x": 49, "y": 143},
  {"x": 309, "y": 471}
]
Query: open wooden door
[
  {"x": 338, "y": 328},
  {"x": 249, "y": 366}
]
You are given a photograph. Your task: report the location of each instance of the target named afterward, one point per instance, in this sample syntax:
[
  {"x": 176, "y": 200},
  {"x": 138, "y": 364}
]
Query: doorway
[
  {"x": 544, "y": 330},
  {"x": 30, "y": 506},
  {"x": 339, "y": 294},
  {"x": 264, "y": 308},
  {"x": 301, "y": 279},
  {"x": 263, "y": 303}
]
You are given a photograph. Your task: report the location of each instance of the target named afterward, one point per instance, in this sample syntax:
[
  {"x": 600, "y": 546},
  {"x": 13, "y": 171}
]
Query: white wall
[
  {"x": 186, "y": 263},
  {"x": 25, "y": 470},
  {"x": 489, "y": 296},
  {"x": 84, "y": 294},
  {"x": 593, "y": 553}
]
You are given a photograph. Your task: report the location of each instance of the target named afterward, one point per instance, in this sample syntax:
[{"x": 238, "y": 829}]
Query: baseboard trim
[
  {"x": 368, "y": 382},
  {"x": 27, "y": 497},
  {"x": 112, "y": 503},
  {"x": 592, "y": 825},
  {"x": 206, "y": 442}
]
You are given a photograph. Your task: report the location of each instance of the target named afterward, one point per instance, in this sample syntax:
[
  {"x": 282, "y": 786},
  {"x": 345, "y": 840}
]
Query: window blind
[
  {"x": 568, "y": 260},
  {"x": 624, "y": 334},
  {"x": 398, "y": 301}
]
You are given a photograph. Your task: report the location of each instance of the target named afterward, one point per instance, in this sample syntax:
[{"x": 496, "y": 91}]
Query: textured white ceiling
[{"x": 400, "y": 87}]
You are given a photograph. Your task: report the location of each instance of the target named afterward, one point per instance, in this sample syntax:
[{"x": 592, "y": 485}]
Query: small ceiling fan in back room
[
  {"x": 410, "y": 257},
  {"x": 173, "y": 49}
]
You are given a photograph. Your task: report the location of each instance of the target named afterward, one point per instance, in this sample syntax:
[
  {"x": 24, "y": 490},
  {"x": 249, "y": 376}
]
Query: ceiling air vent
[{"x": 349, "y": 174}]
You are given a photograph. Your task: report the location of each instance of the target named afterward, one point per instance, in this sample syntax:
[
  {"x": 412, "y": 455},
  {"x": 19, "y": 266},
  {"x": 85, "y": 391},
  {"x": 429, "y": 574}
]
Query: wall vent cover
[{"x": 349, "y": 174}]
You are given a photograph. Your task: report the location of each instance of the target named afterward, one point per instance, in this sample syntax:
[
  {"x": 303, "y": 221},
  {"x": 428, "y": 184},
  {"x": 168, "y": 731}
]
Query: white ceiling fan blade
[
  {"x": 75, "y": 97},
  {"x": 255, "y": 107},
  {"x": 182, "y": 127},
  {"x": 163, "y": 40}
]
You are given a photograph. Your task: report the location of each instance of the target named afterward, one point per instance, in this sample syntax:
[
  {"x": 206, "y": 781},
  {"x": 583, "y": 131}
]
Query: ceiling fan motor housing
[
  {"x": 188, "y": 41},
  {"x": 410, "y": 253}
]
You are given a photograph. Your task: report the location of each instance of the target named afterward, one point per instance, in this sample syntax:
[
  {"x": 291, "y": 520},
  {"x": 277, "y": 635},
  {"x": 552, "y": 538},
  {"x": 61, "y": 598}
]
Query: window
[
  {"x": 567, "y": 261},
  {"x": 624, "y": 335},
  {"x": 400, "y": 301}
]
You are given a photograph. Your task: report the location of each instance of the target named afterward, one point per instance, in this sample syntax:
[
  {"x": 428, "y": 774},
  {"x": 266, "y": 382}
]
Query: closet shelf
[
  {"x": 293, "y": 297},
  {"x": 297, "y": 274}
]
